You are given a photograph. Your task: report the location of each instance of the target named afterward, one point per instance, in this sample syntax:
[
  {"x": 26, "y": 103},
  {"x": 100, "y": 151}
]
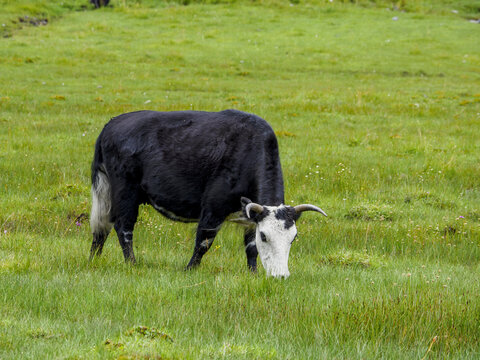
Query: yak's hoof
[
  {"x": 191, "y": 266},
  {"x": 131, "y": 261}
]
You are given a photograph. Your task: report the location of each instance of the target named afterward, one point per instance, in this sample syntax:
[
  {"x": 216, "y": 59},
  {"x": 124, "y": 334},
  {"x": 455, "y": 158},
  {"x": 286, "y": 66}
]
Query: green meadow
[{"x": 376, "y": 106}]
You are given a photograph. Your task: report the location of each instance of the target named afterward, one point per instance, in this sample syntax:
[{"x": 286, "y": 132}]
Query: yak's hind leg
[
  {"x": 125, "y": 216},
  {"x": 124, "y": 231},
  {"x": 251, "y": 248},
  {"x": 97, "y": 243}
]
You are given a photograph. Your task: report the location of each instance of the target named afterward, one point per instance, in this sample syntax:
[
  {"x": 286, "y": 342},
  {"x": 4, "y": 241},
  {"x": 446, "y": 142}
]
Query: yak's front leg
[{"x": 206, "y": 232}]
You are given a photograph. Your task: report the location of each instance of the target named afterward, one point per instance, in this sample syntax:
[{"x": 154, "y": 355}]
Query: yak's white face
[
  {"x": 274, "y": 236},
  {"x": 275, "y": 232}
]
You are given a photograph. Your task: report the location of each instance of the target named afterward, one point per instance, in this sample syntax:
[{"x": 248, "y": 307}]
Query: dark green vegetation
[{"x": 377, "y": 112}]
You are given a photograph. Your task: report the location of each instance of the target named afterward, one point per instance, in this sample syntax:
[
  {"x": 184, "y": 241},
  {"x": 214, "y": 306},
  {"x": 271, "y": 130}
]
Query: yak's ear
[
  {"x": 245, "y": 201},
  {"x": 251, "y": 210}
]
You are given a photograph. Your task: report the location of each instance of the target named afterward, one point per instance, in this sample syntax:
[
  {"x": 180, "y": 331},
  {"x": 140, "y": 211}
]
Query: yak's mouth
[
  {"x": 278, "y": 275},
  {"x": 275, "y": 268}
]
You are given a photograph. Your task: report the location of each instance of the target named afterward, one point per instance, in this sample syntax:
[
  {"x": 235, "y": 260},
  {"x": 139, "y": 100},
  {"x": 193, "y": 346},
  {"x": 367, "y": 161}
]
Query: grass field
[{"x": 376, "y": 105}]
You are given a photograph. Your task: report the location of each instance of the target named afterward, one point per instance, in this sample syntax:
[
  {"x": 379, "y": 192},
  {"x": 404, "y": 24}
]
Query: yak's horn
[
  {"x": 255, "y": 207},
  {"x": 308, "y": 207}
]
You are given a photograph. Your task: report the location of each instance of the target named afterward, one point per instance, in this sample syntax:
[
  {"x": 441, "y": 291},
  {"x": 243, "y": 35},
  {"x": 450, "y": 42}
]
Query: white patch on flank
[
  {"x": 274, "y": 252},
  {"x": 101, "y": 205}
]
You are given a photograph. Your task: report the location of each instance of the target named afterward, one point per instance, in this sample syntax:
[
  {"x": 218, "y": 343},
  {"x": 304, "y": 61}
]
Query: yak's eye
[{"x": 263, "y": 237}]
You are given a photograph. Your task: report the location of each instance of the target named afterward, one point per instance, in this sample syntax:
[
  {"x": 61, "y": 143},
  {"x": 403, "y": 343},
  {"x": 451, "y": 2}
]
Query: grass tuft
[
  {"x": 371, "y": 212},
  {"x": 353, "y": 258},
  {"x": 147, "y": 332}
]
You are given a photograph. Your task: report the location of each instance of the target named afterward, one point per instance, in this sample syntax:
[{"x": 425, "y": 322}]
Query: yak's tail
[{"x": 100, "y": 216}]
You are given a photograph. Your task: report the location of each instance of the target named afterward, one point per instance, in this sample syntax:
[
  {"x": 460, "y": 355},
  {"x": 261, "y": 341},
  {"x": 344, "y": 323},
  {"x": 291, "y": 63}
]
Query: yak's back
[
  {"x": 196, "y": 123},
  {"x": 191, "y": 133}
]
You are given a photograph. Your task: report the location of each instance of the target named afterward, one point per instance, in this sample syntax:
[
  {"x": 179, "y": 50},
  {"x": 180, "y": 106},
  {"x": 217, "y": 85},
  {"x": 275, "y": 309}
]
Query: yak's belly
[{"x": 176, "y": 215}]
